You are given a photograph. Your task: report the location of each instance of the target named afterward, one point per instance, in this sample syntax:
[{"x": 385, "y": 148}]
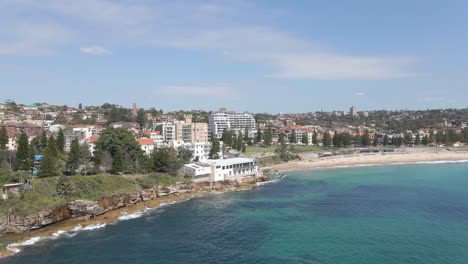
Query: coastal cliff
[{"x": 18, "y": 224}]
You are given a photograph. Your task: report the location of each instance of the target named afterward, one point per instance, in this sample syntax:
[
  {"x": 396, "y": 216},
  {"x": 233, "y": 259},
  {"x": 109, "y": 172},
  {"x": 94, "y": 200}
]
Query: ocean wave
[
  {"x": 14, "y": 247},
  {"x": 399, "y": 163},
  {"x": 94, "y": 227},
  {"x": 126, "y": 216}
]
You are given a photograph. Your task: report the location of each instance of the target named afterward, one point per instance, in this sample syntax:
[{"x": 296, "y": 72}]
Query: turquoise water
[{"x": 387, "y": 214}]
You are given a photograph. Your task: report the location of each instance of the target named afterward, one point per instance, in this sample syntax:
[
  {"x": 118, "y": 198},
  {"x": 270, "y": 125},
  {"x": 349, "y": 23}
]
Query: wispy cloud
[
  {"x": 203, "y": 27},
  {"x": 359, "y": 93},
  {"x": 205, "y": 91},
  {"x": 95, "y": 50}
]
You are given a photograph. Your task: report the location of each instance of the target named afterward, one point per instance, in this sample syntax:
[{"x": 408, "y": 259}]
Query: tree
[
  {"x": 3, "y": 138},
  {"x": 425, "y": 140},
  {"x": 74, "y": 158},
  {"x": 315, "y": 138},
  {"x": 52, "y": 144},
  {"x": 215, "y": 149},
  {"x": 346, "y": 139},
  {"x": 85, "y": 157},
  {"x": 327, "y": 139},
  {"x": 283, "y": 153},
  {"x": 118, "y": 165},
  {"x": 281, "y": 139},
  {"x": 376, "y": 140},
  {"x": 227, "y": 138},
  {"x": 239, "y": 142},
  {"x": 305, "y": 139},
  {"x": 23, "y": 160},
  {"x": 338, "y": 140},
  {"x": 417, "y": 140},
  {"x": 65, "y": 188},
  {"x": 358, "y": 140},
  {"x": 246, "y": 135},
  {"x": 408, "y": 138},
  {"x": 97, "y": 155},
  {"x": 385, "y": 140},
  {"x": 49, "y": 163},
  {"x": 43, "y": 141},
  {"x": 259, "y": 136},
  {"x": 184, "y": 154},
  {"x": 113, "y": 138},
  {"x": 293, "y": 138},
  {"x": 366, "y": 139},
  {"x": 141, "y": 118},
  {"x": 268, "y": 137},
  {"x": 335, "y": 139},
  {"x": 165, "y": 160},
  {"x": 60, "y": 141}
]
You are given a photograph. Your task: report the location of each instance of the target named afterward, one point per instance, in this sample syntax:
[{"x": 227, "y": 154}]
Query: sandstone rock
[{"x": 85, "y": 207}]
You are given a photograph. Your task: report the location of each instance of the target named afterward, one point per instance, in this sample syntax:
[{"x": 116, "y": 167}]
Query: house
[
  {"x": 92, "y": 143},
  {"x": 147, "y": 145},
  {"x": 234, "y": 169}
]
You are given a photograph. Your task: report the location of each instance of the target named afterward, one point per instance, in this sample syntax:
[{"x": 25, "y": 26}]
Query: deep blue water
[{"x": 388, "y": 214}]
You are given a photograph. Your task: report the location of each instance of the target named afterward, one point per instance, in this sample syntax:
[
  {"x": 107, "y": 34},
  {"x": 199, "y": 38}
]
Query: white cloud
[
  {"x": 213, "y": 27},
  {"x": 205, "y": 91},
  {"x": 95, "y": 50},
  {"x": 360, "y": 94},
  {"x": 292, "y": 58},
  {"x": 25, "y": 38}
]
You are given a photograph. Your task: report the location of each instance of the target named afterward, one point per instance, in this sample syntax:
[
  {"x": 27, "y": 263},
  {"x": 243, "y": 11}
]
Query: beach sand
[{"x": 372, "y": 159}]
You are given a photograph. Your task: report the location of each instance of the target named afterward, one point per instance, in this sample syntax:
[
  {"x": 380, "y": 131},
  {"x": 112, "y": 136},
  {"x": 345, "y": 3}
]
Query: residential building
[
  {"x": 222, "y": 169},
  {"x": 221, "y": 120},
  {"x": 353, "y": 111},
  {"x": 147, "y": 145}
]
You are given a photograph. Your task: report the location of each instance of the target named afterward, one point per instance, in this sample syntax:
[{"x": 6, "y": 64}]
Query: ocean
[{"x": 383, "y": 214}]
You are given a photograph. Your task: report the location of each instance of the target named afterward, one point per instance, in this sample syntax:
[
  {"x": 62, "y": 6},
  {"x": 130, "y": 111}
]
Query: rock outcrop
[{"x": 81, "y": 208}]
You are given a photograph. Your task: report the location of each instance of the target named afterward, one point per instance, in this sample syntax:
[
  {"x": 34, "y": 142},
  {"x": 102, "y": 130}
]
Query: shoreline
[
  {"x": 70, "y": 227},
  {"x": 372, "y": 159}
]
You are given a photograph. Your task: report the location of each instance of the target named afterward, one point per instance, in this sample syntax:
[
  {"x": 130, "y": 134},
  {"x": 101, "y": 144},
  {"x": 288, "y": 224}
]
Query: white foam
[
  {"x": 267, "y": 182},
  {"x": 59, "y": 233},
  {"x": 94, "y": 227},
  {"x": 401, "y": 163},
  {"x": 126, "y": 216},
  {"x": 14, "y": 246}
]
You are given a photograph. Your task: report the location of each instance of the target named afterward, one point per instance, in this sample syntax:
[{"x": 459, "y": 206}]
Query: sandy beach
[{"x": 372, "y": 159}]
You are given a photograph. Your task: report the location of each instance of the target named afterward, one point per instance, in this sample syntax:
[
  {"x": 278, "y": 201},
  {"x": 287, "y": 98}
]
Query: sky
[{"x": 259, "y": 56}]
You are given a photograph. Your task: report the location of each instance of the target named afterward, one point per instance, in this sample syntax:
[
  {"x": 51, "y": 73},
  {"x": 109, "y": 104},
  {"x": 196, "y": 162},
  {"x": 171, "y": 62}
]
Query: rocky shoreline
[{"x": 18, "y": 229}]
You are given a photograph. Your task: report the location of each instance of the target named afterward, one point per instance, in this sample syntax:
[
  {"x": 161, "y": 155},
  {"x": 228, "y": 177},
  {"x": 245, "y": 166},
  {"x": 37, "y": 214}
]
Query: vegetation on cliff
[{"x": 48, "y": 193}]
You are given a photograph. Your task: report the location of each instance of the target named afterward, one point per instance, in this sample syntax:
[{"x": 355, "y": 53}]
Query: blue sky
[{"x": 260, "y": 56}]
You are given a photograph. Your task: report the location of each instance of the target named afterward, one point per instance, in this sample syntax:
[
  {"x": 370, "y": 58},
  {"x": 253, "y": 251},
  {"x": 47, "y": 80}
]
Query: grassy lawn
[
  {"x": 258, "y": 151},
  {"x": 44, "y": 195}
]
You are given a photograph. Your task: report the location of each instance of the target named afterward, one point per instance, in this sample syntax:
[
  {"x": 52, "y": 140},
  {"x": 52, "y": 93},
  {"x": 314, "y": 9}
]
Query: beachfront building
[
  {"x": 221, "y": 170},
  {"x": 222, "y": 120}
]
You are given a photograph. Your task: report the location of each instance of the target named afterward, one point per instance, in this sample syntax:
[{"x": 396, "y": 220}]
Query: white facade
[
  {"x": 86, "y": 131},
  {"x": 220, "y": 121},
  {"x": 222, "y": 169},
  {"x": 168, "y": 131}
]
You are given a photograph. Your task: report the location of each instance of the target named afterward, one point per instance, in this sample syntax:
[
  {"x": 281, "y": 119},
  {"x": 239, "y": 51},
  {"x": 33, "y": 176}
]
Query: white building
[
  {"x": 221, "y": 169},
  {"x": 353, "y": 111},
  {"x": 168, "y": 131},
  {"x": 220, "y": 121},
  {"x": 147, "y": 145},
  {"x": 86, "y": 132},
  {"x": 201, "y": 150}
]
